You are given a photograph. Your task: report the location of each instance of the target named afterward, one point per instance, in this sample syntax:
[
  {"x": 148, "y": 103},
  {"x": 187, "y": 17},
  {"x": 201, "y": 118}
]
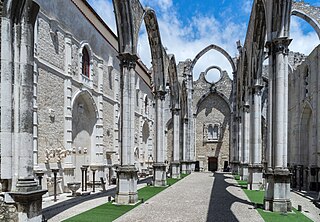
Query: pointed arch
[
  {"x": 297, "y": 10},
  {"x": 174, "y": 83},
  {"x": 205, "y": 96},
  {"x": 88, "y": 98},
  {"x": 217, "y": 48},
  {"x": 156, "y": 48}
]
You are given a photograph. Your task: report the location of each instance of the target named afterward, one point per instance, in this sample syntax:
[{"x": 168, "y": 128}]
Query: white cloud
[
  {"x": 186, "y": 39},
  {"x": 302, "y": 42}
]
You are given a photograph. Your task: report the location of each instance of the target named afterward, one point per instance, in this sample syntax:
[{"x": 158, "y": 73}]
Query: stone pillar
[
  {"x": 17, "y": 71},
  {"x": 191, "y": 118},
  {"x": 127, "y": 173},
  {"x": 159, "y": 167},
  {"x": 277, "y": 195},
  {"x": 184, "y": 147},
  {"x": 245, "y": 142},
  {"x": 175, "y": 165},
  {"x": 255, "y": 167},
  {"x": 69, "y": 167},
  {"x": 99, "y": 158},
  {"x": 239, "y": 142}
]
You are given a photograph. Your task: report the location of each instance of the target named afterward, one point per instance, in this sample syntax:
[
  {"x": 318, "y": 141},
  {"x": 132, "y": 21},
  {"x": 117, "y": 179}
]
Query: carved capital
[
  {"x": 279, "y": 45},
  {"x": 160, "y": 95},
  {"x": 128, "y": 60}
]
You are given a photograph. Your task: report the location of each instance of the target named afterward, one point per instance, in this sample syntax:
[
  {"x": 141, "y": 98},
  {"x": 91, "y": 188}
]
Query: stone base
[
  {"x": 68, "y": 177},
  {"x": 29, "y": 205},
  {"x": 235, "y": 167},
  {"x": 175, "y": 170},
  {"x": 244, "y": 172},
  {"x": 159, "y": 176},
  {"x": 186, "y": 167},
  {"x": 255, "y": 179},
  {"x": 277, "y": 194},
  {"x": 127, "y": 177}
]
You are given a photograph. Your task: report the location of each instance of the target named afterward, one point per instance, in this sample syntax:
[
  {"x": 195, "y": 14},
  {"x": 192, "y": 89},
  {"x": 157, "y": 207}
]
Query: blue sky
[{"x": 188, "y": 26}]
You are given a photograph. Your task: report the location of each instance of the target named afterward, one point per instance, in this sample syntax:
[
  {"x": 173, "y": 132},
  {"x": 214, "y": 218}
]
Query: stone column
[
  {"x": 277, "y": 195},
  {"x": 175, "y": 165},
  {"x": 237, "y": 146},
  {"x": 69, "y": 167},
  {"x": 99, "y": 158},
  {"x": 184, "y": 147},
  {"x": 17, "y": 63},
  {"x": 127, "y": 173},
  {"x": 159, "y": 167},
  {"x": 245, "y": 142},
  {"x": 255, "y": 167},
  {"x": 191, "y": 130}
]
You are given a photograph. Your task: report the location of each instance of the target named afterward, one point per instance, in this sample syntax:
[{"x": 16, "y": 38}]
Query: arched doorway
[{"x": 84, "y": 119}]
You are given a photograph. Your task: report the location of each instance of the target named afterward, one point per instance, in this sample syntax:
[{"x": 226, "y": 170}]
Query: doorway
[{"x": 212, "y": 164}]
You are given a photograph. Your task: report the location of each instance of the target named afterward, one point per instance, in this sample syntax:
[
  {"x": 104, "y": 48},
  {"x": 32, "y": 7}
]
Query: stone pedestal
[
  {"x": 69, "y": 176},
  {"x": 277, "y": 194},
  {"x": 175, "y": 170},
  {"x": 244, "y": 171},
  {"x": 255, "y": 179},
  {"x": 235, "y": 167},
  {"x": 186, "y": 167},
  {"x": 159, "y": 177},
  {"x": 127, "y": 185},
  {"x": 29, "y": 205}
]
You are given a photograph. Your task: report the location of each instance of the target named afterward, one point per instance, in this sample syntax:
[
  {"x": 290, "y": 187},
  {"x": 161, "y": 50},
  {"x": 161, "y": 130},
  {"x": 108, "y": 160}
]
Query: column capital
[
  {"x": 279, "y": 45},
  {"x": 160, "y": 95},
  {"x": 128, "y": 60}
]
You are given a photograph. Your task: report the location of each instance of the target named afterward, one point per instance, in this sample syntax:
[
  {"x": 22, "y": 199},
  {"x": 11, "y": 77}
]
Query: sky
[{"x": 188, "y": 26}]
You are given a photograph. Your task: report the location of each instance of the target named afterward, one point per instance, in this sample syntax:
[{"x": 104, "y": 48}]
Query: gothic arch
[
  {"x": 205, "y": 96},
  {"x": 88, "y": 98},
  {"x": 129, "y": 16},
  {"x": 174, "y": 83},
  {"x": 217, "y": 48},
  {"x": 156, "y": 48},
  {"x": 314, "y": 23},
  {"x": 84, "y": 46}
]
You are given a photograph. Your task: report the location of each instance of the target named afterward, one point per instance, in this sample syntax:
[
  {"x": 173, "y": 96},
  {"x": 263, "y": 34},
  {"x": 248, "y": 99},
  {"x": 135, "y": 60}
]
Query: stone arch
[
  {"x": 84, "y": 46},
  {"x": 174, "y": 83},
  {"x": 129, "y": 17},
  {"x": 84, "y": 120},
  {"x": 217, "y": 48},
  {"x": 88, "y": 96},
  {"x": 311, "y": 21},
  {"x": 205, "y": 96},
  {"x": 305, "y": 133},
  {"x": 156, "y": 48}
]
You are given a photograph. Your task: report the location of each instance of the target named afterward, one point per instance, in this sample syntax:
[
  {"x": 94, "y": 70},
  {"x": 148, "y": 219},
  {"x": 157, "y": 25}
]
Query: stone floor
[{"x": 198, "y": 197}]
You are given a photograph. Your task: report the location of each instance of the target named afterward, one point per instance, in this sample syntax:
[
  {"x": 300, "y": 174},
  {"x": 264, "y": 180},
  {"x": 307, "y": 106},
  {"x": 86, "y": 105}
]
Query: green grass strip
[
  {"x": 109, "y": 212},
  {"x": 256, "y": 197}
]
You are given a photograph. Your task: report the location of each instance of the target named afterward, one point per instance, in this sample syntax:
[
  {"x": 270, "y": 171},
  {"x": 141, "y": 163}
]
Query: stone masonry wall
[
  {"x": 211, "y": 106},
  {"x": 50, "y": 100},
  {"x": 50, "y": 44},
  {"x": 8, "y": 212}
]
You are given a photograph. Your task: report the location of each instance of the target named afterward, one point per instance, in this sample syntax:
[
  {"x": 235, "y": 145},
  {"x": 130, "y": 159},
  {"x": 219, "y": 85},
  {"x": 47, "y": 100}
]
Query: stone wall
[
  {"x": 50, "y": 113},
  {"x": 8, "y": 212},
  {"x": 50, "y": 44},
  {"x": 304, "y": 107},
  {"x": 211, "y": 103}
]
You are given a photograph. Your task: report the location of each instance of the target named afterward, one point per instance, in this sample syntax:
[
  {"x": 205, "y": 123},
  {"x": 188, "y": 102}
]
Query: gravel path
[{"x": 198, "y": 197}]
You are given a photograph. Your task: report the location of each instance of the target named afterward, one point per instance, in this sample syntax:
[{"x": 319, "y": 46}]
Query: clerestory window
[{"x": 85, "y": 63}]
